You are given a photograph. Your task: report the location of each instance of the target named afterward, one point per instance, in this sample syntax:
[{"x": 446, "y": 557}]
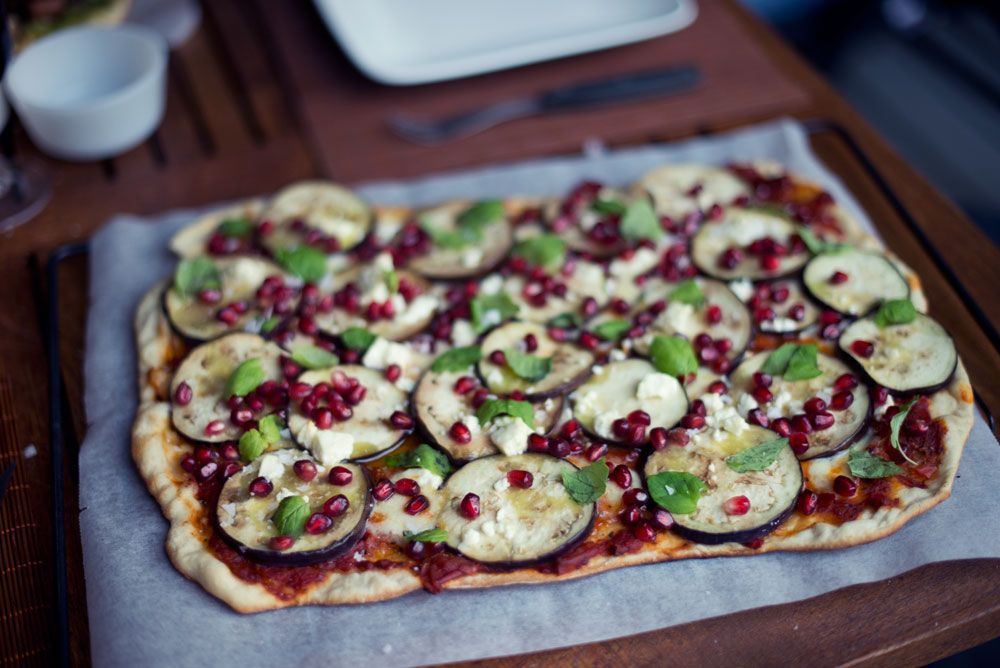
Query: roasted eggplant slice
[
  {"x": 515, "y": 527},
  {"x": 736, "y": 507},
  {"x": 678, "y": 190},
  {"x": 439, "y": 404},
  {"x": 244, "y": 520},
  {"x": 316, "y": 212},
  {"x": 390, "y": 518},
  {"x": 473, "y": 259},
  {"x": 568, "y": 364},
  {"x": 357, "y": 430},
  {"x": 784, "y": 307},
  {"x": 918, "y": 357},
  {"x": 196, "y": 239},
  {"x": 840, "y": 418},
  {"x": 580, "y": 220},
  {"x": 854, "y": 281},
  {"x": 199, "y": 318},
  {"x": 747, "y": 243},
  {"x": 201, "y": 412},
  {"x": 617, "y": 390}
]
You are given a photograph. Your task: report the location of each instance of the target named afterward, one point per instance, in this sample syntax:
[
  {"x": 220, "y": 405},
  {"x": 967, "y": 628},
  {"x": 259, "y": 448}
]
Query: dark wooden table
[{"x": 262, "y": 96}]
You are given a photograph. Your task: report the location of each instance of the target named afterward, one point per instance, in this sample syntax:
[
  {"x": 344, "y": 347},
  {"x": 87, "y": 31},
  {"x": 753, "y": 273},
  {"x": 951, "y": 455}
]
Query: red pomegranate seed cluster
[
  {"x": 712, "y": 352},
  {"x": 771, "y": 300}
]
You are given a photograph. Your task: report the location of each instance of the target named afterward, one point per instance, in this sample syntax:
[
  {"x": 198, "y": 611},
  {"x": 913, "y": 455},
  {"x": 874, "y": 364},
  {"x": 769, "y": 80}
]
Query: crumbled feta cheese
[
  {"x": 405, "y": 384},
  {"x": 712, "y": 402},
  {"x": 230, "y": 508},
  {"x": 491, "y": 285},
  {"x": 509, "y": 434},
  {"x": 383, "y": 353},
  {"x": 678, "y": 317},
  {"x": 656, "y": 385},
  {"x": 328, "y": 446},
  {"x": 603, "y": 422},
  {"x": 471, "y": 256},
  {"x": 494, "y": 377},
  {"x": 617, "y": 355},
  {"x": 501, "y": 484},
  {"x": 419, "y": 309},
  {"x": 742, "y": 288},
  {"x": 426, "y": 479},
  {"x": 642, "y": 261},
  {"x": 462, "y": 333},
  {"x": 472, "y": 422},
  {"x": 779, "y": 325},
  {"x": 270, "y": 467},
  {"x": 746, "y": 404}
]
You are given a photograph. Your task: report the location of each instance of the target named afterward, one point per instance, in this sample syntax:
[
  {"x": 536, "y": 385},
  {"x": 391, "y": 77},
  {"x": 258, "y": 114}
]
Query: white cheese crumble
[
  {"x": 328, "y": 446},
  {"x": 471, "y": 256},
  {"x": 642, "y": 261},
  {"x": 746, "y": 404},
  {"x": 491, "y": 285},
  {"x": 617, "y": 355},
  {"x": 779, "y": 325},
  {"x": 383, "y": 353},
  {"x": 742, "y": 288},
  {"x": 656, "y": 385},
  {"x": 678, "y": 317},
  {"x": 509, "y": 434},
  {"x": 462, "y": 333},
  {"x": 270, "y": 467},
  {"x": 426, "y": 479},
  {"x": 472, "y": 422},
  {"x": 603, "y": 422},
  {"x": 419, "y": 309}
]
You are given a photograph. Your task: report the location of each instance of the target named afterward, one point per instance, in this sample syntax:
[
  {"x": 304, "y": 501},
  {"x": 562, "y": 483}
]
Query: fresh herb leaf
[
  {"x": 676, "y": 491},
  {"x": 640, "y": 221},
  {"x": 306, "y": 262},
  {"x": 494, "y": 407},
  {"x": 490, "y": 310},
  {"x": 392, "y": 281},
  {"x": 457, "y": 359},
  {"x": 290, "y": 517},
  {"x": 357, "y": 338},
  {"x": 608, "y": 207},
  {"x": 895, "y": 312},
  {"x": 688, "y": 292},
  {"x": 528, "y": 367},
  {"x": 252, "y": 444},
  {"x": 757, "y": 458},
  {"x": 434, "y": 535},
  {"x": 268, "y": 325},
  {"x": 895, "y": 423},
  {"x": 468, "y": 227},
  {"x": 546, "y": 250},
  {"x": 817, "y": 245},
  {"x": 194, "y": 275},
  {"x": 481, "y": 213},
  {"x": 569, "y": 320},
  {"x": 314, "y": 357},
  {"x": 586, "y": 485},
  {"x": 777, "y": 361},
  {"x": 453, "y": 239},
  {"x": 866, "y": 465},
  {"x": 235, "y": 227},
  {"x": 673, "y": 355},
  {"x": 423, "y": 456},
  {"x": 611, "y": 330},
  {"x": 770, "y": 209},
  {"x": 270, "y": 428},
  {"x": 244, "y": 379},
  {"x": 802, "y": 364}
]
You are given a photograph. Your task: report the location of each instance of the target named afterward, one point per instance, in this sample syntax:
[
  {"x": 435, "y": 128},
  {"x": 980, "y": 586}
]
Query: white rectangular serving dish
[{"x": 402, "y": 42}]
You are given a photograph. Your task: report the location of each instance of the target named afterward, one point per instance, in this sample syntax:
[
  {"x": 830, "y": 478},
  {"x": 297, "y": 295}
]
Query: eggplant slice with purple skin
[
  {"x": 737, "y": 229},
  {"x": 244, "y": 521},
  {"x": 437, "y": 407},
  {"x": 320, "y": 207},
  {"x": 475, "y": 259},
  {"x": 515, "y": 527},
  {"x": 790, "y": 396},
  {"x": 917, "y": 357},
  {"x": 574, "y": 218},
  {"x": 570, "y": 364},
  {"x": 793, "y": 314},
  {"x": 772, "y": 492},
  {"x": 854, "y": 281},
  {"x": 206, "y": 370}
]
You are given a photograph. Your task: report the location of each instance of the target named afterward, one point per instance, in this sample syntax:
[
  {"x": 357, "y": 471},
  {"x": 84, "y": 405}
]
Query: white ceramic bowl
[{"x": 88, "y": 92}]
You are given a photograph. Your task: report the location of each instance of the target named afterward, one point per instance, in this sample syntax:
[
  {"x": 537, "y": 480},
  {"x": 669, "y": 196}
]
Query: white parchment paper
[{"x": 144, "y": 613}]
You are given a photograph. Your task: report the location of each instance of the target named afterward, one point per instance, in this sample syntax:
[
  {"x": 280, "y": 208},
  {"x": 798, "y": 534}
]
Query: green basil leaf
[
  {"x": 235, "y": 227},
  {"x": 482, "y": 213},
  {"x": 895, "y": 312},
  {"x": 817, "y": 246},
  {"x": 268, "y": 325},
  {"x": 423, "y": 456},
  {"x": 290, "y": 517},
  {"x": 392, "y": 281},
  {"x": 546, "y": 250},
  {"x": 864, "y": 464},
  {"x": 270, "y": 428},
  {"x": 453, "y": 239},
  {"x": 195, "y": 274},
  {"x": 611, "y": 330},
  {"x": 771, "y": 209},
  {"x": 490, "y": 310},
  {"x": 608, "y": 207},
  {"x": 569, "y": 320},
  {"x": 434, "y": 535},
  {"x": 306, "y": 262},
  {"x": 688, "y": 293},
  {"x": 896, "y": 422},
  {"x": 640, "y": 221},
  {"x": 802, "y": 363},
  {"x": 757, "y": 458},
  {"x": 252, "y": 444},
  {"x": 676, "y": 491},
  {"x": 777, "y": 361},
  {"x": 673, "y": 355},
  {"x": 314, "y": 357},
  {"x": 244, "y": 379},
  {"x": 528, "y": 367},
  {"x": 457, "y": 359},
  {"x": 586, "y": 485},
  {"x": 494, "y": 407},
  {"x": 357, "y": 338}
]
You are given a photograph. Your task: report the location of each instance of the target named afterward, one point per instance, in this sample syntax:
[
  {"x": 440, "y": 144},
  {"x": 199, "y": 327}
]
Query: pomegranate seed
[
  {"x": 838, "y": 277},
  {"x": 807, "y": 502},
  {"x": 770, "y": 262},
  {"x": 240, "y": 416},
  {"x": 281, "y": 543},
  {"x": 801, "y": 423},
  {"x": 708, "y": 355},
  {"x": 305, "y": 469},
  {"x": 383, "y": 489},
  {"x": 530, "y": 343},
  {"x": 636, "y": 434},
  {"x": 520, "y": 479},
  {"x": 847, "y": 381},
  {"x": 722, "y": 365},
  {"x": 862, "y": 348},
  {"x": 183, "y": 394},
  {"x": 203, "y": 454},
  {"x": 318, "y": 523},
  {"x": 880, "y": 395},
  {"x": 761, "y": 395},
  {"x": 188, "y": 463},
  {"x": 761, "y": 379},
  {"x": 557, "y": 334},
  {"x": 844, "y": 486},
  {"x": 782, "y": 426},
  {"x": 779, "y": 294},
  {"x": 698, "y": 407},
  {"x": 797, "y": 312},
  {"x": 762, "y": 314},
  {"x": 718, "y": 387},
  {"x": 635, "y": 497},
  {"x": 639, "y": 417},
  {"x": 341, "y": 411},
  {"x": 392, "y": 373},
  {"x": 416, "y": 505},
  {"x": 464, "y": 384},
  {"x": 298, "y": 391},
  {"x": 538, "y": 443},
  {"x": 479, "y": 397},
  {"x": 407, "y": 486},
  {"x": 460, "y": 433},
  {"x": 588, "y": 307},
  {"x": 692, "y": 421},
  {"x": 498, "y": 358},
  {"x": 559, "y": 447},
  {"x": 589, "y": 341},
  {"x": 595, "y": 452},
  {"x": 737, "y": 505},
  {"x": 260, "y": 486},
  {"x": 401, "y": 420},
  {"x": 658, "y": 438},
  {"x": 206, "y": 471},
  {"x": 799, "y": 443},
  {"x": 644, "y": 531},
  {"x": 340, "y": 475},
  {"x": 355, "y": 395},
  {"x": 758, "y": 417},
  {"x": 730, "y": 258},
  {"x": 469, "y": 507},
  {"x": 631, "y": 515},
  {"x": 815, "y": 405},
  {"x": 754, "y": 544},
  {"x": 214, "y": 427},
  {"x": 571, "y": 429},
  {"x": 619, "y": 305},
  {"x": 620, "y": 428},
  {"x": 703, "y": 340},
  {"x": 678, "y": 436},
  {"x": 323, "y": 417},
  {"x": 290, "y": 369},
  {"x": 517, "y": 395},
  {"x": 841, "y": 401},
  {"x": 336, "y": 506},
  {"x": 916, "y": 427},
  {"x": 230, "y": 452},
  {"x": 209, "y": 296},
  {"x": 821, "y": 421},
  {"x": 256, "y": 404},
  {"x": 829, "y": 318},
  {"x": 661, "y": 519},
  {"x": 713, "y": 314},
  {"x": 227, "y": 315},
  {"x": 723, "y": 345},
  {"x": 621, "y": 476}
]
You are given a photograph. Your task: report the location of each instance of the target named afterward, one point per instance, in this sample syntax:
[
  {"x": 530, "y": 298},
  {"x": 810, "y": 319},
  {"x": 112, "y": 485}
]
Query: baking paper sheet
[{"x": 145, "y": 613}]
